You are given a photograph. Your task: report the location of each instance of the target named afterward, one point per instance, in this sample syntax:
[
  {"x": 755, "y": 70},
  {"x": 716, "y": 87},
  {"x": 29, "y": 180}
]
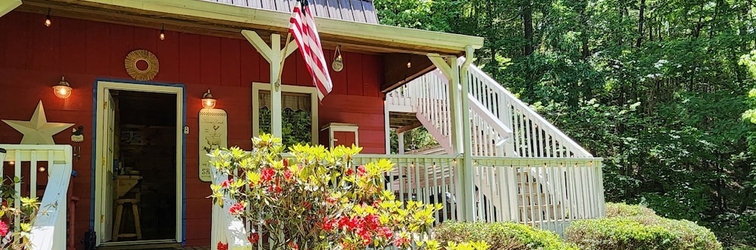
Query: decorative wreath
[{"x": 153, "y": 66}]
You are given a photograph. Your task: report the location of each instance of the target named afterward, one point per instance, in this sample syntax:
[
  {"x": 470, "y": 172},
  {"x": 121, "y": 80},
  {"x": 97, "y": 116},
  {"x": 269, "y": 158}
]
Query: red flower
[
  {"x": 349, "y": 172},
  {"x": 226, "y": 184},
  {"x": 401, "y": 241},
  {"x": 3, "y": 228},
  {"x": 385, "y": 232},
  {"x": 327, "y": 225},
  {"x": 275, "y": 189},
  {"x": 361, "y": 171},
  {"x": 222, "y": 246},
  {"x": 253, "y": 238},
  {"x": 293, "y": 245},
  {"x": 236, "y": 209},
  {"x": 285, "y": 163},
  {"x": 287, "y": 174},
  {"x": 267, "y": 174},
  {"x": 331, "y": 200}
]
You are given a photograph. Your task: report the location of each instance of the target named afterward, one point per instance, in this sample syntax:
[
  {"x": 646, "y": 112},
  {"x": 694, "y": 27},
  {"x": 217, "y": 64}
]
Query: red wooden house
[{"x": 138, "y": 71}]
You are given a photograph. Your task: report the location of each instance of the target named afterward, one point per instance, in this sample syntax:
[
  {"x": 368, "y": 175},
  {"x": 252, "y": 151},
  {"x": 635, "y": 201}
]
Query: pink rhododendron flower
[{"x": 236, "y": 209}]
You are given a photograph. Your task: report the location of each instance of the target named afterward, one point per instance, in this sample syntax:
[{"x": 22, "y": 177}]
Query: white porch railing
[
  {"x": 544, "y": 192},
  {"x": 494, "y": 111},
  {"x": 227, "y": 228},
  {"x": 49, "y": 228},
  {"x": 534, "y": 136}
]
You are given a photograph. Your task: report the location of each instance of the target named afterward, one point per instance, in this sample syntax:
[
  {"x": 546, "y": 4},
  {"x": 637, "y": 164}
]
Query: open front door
[{"x": 106, "y": 167}]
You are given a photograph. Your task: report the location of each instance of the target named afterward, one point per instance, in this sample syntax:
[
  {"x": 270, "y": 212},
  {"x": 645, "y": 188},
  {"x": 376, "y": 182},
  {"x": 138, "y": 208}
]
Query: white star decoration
[{"x": 38, "y": 130}]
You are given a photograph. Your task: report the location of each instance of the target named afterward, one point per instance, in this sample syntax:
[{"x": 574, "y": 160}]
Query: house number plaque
[{"x": 213, "y": 134}]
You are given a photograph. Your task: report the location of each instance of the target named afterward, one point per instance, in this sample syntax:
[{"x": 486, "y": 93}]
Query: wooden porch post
[
  {"x": 400, "y": 143},
  {"x": 275, "y": 56},
  {"x": 460, "y": 130},
  {"x": 467, "y": 171},
  {"x": 450, "y": 70},
  {"x": 8, "y": 5}
]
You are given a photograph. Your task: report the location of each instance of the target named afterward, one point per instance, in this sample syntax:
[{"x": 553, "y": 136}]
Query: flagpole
[{"x": 283, "y": 59}]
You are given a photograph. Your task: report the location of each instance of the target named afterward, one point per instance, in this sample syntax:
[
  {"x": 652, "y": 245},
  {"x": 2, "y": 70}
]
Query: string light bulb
[
  {"x": 48, "y": 21},
  {"x": 162, "y": 33}
]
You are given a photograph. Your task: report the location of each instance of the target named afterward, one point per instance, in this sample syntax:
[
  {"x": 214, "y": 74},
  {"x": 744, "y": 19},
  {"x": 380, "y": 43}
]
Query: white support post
[
  {"x": 7, "y": 6},
  {"x": 449, "y": 68},
  {"x": 400, "y": 143},
  {"x": 386, "y": 127},
  {"x": 275, "y": 56},
  {"x": 467, "y": 171}
]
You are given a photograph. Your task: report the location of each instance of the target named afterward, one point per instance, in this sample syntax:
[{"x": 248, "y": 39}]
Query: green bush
[
  {"x": 638, "y": 227},
  {"x": 500, "y": 236},
  {"x": 624, "y": 210}
]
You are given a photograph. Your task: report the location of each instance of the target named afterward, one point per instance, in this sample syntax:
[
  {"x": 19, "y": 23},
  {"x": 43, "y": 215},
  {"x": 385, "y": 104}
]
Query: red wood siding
[{"x": 33, "y": 58}]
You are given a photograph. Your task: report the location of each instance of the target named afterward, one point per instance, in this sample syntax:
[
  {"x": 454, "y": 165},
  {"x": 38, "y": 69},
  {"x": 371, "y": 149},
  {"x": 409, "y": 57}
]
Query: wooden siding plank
[
  {"x": 249, "y": 65},
  {"x": 71, "y": 47},
  {"x": 46, "y": 43},
  {"x": 289, "y": 75},
  {"x": 168, "y": 48},
  {"x": 189, "y": 59},
  {"x": 303, "y": 75},
  {"x": 18, "y": 47},
  {"x": 230, "y": 63},
  {"x": 210, "y": 59},
  {"x": 354, "y": 74},
  {"x": 97, "y": 32},
  {"x": 121, "y": 43},
  {"x": 372, "y": 75}
]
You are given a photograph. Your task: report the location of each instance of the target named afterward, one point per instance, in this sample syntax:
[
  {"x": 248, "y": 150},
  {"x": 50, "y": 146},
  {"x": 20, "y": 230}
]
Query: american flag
[{"x": 302, "y": 27}]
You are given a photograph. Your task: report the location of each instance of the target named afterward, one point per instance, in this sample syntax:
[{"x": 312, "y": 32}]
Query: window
[{"x": 299, "y": 113}]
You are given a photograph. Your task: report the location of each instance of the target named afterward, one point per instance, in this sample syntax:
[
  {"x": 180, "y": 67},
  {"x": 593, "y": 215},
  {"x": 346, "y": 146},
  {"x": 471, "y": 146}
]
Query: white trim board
[
  {"x": 256, "y": 87},
  {"x": 102, "y": 92}
]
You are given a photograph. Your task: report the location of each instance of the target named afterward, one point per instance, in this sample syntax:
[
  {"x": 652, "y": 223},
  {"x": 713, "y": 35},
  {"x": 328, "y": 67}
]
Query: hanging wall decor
[
  {"x": 213, "y": 134},
  {"x": 147, "y": 74},
  {"x": 37, "y": 130}
]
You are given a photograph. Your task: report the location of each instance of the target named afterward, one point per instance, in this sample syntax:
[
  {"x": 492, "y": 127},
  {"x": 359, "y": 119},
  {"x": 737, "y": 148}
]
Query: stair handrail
[{"x": 477, "y": 73}]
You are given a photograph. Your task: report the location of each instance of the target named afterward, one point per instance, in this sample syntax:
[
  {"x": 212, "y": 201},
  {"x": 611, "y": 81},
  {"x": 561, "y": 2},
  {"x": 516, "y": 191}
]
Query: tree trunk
[
  {"x": 641, "y": 19},
  {"x": 527, "y": 20}
]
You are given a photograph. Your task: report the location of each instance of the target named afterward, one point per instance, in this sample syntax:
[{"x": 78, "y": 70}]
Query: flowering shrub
[
  {"x": 319, "y": 200},
  {"x": 18, "y": 239}
]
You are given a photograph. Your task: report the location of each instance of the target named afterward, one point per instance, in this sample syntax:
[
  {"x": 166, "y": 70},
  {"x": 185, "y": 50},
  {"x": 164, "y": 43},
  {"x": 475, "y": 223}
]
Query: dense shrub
[
  {"x": 500, "y": 236},
  {"x": 623, "y": 210},
  {"x": 637, "y": 227}
]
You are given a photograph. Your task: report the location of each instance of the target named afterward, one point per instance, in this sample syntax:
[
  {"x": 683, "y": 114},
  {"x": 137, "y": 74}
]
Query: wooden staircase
[{"x": 502, "y": 126}]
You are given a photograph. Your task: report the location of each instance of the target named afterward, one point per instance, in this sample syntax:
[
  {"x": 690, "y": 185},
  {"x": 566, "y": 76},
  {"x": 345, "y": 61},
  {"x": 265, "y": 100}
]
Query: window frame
[{"x": 257, "y": 86}]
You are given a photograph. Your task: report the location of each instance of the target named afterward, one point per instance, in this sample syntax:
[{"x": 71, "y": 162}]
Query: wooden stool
[{"x": 118, "y": 218}]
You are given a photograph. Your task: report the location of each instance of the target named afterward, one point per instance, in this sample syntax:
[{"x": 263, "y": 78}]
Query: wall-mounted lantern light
[
  {"x": 208, "y": 101},
  {"x": 62, "y": 89}
]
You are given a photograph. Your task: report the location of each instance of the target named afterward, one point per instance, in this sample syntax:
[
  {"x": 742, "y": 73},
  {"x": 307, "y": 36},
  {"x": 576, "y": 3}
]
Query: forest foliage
[{"x": 658, "y": 88}]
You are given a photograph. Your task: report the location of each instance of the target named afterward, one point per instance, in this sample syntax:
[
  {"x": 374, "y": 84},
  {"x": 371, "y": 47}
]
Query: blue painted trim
[
  {"x": 93, "y": 170},
  {"x": 94, "y": 149}
]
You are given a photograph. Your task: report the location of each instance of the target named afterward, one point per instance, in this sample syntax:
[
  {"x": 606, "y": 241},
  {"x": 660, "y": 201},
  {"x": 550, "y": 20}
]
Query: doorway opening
[
  {"x": 146, "y": 158},
  {"x": 139, "y": 180}
]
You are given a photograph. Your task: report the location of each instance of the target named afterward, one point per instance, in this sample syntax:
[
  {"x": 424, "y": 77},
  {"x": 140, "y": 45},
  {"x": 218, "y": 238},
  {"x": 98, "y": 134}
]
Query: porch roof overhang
[{"x": 397, "y": 45}]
